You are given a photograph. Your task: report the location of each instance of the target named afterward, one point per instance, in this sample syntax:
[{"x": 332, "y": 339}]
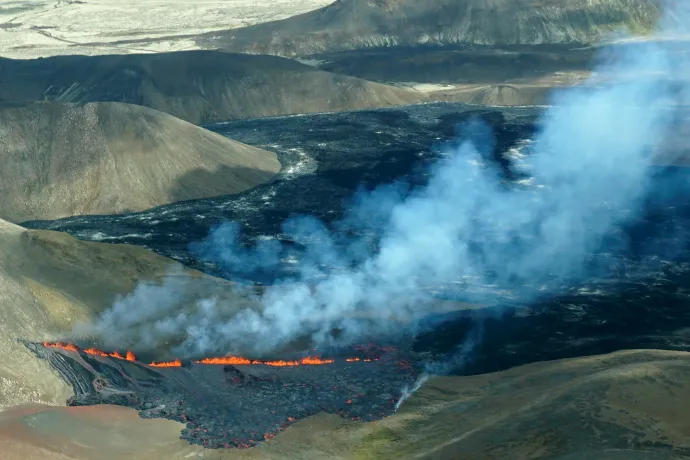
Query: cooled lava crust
[{"x": 226, "y": 406}]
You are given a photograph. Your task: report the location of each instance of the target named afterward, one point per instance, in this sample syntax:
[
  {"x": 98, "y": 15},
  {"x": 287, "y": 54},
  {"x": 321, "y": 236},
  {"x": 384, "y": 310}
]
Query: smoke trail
[
  {"x": 407, "y": 391},
  {"x": 590, "y": 168}
]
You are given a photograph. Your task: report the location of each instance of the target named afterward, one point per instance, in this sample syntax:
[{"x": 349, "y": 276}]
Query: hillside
[
  {"x": 48, "y": 282},
  {"x": 357, "y": 24},
  {"x": 617, "y": 406},
  {"x": 104, "y": 158},
  {"x": 196, "y": 86}
]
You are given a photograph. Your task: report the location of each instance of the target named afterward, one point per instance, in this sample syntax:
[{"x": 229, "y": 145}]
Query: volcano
[{"x": 236, "y": 402}]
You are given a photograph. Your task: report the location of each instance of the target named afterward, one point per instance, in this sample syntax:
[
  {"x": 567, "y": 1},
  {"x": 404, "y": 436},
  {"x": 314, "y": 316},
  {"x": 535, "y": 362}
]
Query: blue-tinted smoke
[{"x": 589, "y": 165}]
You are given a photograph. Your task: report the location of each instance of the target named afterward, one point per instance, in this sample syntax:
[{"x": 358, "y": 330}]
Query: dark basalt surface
[
  {"x": 649, "y": 313},
  {"x": 239, "y": 406}
]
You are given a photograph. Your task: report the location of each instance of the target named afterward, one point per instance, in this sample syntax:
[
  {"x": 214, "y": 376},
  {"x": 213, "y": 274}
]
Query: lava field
[{"x": 240, "y": 405}]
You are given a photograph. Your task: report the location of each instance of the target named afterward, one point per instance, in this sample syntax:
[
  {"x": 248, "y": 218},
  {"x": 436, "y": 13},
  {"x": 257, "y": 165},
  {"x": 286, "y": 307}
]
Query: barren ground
[{"x": 40, "y": 28}]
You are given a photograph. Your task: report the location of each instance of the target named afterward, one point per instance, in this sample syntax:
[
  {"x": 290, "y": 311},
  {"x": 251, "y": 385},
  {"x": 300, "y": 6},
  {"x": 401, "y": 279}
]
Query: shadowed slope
[
  {"x": 197, "y": 86},
  {"x": 103, "y": 158}
]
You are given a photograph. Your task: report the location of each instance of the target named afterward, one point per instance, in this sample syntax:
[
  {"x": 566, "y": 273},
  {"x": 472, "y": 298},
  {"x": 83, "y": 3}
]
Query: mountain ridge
[{"x": 358, "y": 24}]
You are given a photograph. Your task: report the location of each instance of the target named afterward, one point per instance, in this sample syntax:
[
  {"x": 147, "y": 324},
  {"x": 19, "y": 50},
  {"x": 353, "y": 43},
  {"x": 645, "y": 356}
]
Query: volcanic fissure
[{"x": 232, "y": 401}]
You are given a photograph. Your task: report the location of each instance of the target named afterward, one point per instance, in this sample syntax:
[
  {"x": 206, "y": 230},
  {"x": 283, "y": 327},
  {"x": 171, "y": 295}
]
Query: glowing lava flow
[
  {"x": 91, "y": 351},
  {"x": 223, "y": 360},
  {"x": 176, "y": 363},
  {"x": 237, "y": 360}
]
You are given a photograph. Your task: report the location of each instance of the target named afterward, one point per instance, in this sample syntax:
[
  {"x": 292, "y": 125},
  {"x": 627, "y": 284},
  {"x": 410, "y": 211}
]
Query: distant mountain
[
  {"x": 197, "y": 86},
  {"x": 357, "y": 24},
  {"x": 63, "y": 159}
]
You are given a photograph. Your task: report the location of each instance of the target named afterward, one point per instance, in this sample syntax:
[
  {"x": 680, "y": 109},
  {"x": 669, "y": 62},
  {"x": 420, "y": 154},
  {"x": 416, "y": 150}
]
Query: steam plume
[{"x": 590, "y": 168}]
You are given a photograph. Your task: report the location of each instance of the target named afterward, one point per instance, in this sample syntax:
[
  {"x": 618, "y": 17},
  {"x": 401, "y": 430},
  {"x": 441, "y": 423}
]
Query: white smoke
[
  {"x": 409, "y": 391},
  {"x": 590, "y": 161}
]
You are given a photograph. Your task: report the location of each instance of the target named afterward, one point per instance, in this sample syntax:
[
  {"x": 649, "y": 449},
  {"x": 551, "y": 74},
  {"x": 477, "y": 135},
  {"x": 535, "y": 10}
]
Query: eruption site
[
  {"x": 471, "y": 233},
  {"x": 232, "y": 401},
  {"x": 231, "y": 360},
  {"x": 129, "y": 356}
]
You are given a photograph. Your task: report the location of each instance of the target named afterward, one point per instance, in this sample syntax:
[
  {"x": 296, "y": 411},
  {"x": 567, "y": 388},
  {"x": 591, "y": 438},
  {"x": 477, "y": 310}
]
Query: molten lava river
[{"x": 233, "y": 401}]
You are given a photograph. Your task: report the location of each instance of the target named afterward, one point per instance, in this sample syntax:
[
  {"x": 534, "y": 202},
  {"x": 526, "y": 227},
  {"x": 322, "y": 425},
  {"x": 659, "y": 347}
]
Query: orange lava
[
  {"x": 116, "y": 354},
  {"x": 238, "y": 360},
  {"x": 97, "y": 352},
  {"x": 232, "y": 360},
  {"x": 176, "y": 363},
  {"x": 223, "y": 360},
  {"x": 64, "y": 346},
  {"x": 91, "y": 351}
]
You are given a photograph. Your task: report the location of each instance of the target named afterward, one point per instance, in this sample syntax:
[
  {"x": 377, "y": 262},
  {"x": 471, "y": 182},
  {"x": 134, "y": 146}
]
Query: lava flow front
[
  {"x": 233, "y": 401},
  {"x": 237, "y": 360},
  {"x": 223, "y": 360},
  {"x": 129, "y": 356},
  {"x": 175, "y": 363}
]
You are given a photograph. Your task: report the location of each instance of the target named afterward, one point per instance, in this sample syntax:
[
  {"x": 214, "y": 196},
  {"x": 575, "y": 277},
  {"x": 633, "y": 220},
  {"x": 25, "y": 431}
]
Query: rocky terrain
[
  {"x": 359, "y": 24},
  {"x": 240, "y": 405},
  {"x": 198, "y": 86},
  {"x": 64, "y": 159}
]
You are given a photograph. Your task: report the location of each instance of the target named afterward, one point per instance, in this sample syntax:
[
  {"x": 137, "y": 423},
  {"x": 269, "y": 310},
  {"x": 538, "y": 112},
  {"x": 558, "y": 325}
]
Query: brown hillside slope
[{"x": 104, "y": 158}]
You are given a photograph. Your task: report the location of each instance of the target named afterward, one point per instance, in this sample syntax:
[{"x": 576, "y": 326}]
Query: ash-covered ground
[{"x": 226, "y": 406}]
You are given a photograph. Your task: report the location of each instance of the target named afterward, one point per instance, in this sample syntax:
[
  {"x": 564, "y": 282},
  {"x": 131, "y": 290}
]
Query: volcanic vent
[{"x": 233, "y": 401}]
